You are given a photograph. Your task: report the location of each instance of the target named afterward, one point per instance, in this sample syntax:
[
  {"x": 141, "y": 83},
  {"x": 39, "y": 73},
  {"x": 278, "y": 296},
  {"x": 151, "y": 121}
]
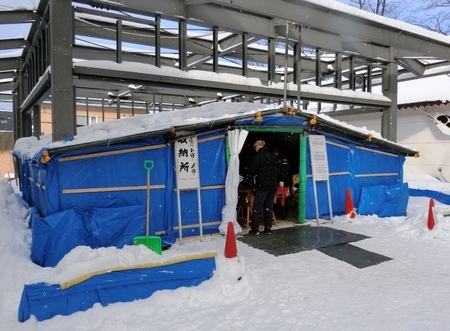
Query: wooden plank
[
  {"x": 121, "y": 151},
  {"x": 110, "y": 189},
  {"x": 193, "y": 226}
]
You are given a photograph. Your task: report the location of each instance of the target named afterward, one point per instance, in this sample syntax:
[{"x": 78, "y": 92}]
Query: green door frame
[{"x": 301, "y": 218}]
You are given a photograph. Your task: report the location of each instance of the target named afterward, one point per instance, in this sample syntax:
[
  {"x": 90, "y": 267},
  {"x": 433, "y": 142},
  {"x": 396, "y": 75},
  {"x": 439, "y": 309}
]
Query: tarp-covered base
[
  {"x": 436, "y": 195},
  {"x": 45, "y": 301}
]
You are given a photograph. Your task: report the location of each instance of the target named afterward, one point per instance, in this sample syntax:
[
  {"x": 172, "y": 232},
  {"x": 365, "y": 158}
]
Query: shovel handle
[{"x": 148, "y": 164}]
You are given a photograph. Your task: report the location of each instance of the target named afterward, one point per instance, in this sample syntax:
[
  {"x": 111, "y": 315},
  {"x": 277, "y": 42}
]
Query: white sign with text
[
  {"x": 186, "y": 155},
  {"x": 319, "y": 165},
  {"x": 319, "y": 160}
]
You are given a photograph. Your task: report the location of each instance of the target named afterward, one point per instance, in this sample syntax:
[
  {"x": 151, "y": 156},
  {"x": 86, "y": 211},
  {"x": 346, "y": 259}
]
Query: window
[{"x": 86, "y": 120}]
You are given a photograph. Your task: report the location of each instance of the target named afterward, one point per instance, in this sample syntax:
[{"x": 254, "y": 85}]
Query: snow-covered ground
[{"x": 258, "y": 291}]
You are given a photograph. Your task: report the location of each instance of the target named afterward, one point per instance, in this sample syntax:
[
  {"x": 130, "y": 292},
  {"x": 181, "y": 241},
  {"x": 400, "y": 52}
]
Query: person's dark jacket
[
  {"x": 284, "y": 168},
  {"x": 264, "y": 165}
]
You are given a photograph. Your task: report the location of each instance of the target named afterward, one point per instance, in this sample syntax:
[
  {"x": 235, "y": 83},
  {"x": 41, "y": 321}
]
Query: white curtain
[{"x": 236, "y": 139}]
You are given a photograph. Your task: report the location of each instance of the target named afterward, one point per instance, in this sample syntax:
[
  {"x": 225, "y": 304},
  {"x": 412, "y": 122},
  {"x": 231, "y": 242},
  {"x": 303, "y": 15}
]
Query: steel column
[
  {"x": 271, "y": 77},
  {"x": 244, "y": 55},
  {"x": 37, "y": 121},
  {"x": 62, "y": 89},
  {"x": 390, "y": 89},
  {"x": 215, "y": 49},
  {"x": 158, "y": 41},
  {"x": 182, "y": 45},
  {"x": 119, "y": 40}
]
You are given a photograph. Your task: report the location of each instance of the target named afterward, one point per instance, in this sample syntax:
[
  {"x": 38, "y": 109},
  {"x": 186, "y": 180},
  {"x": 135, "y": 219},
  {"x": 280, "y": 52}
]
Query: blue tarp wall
[
  {"x": 351, "y": 165},
  {"x": 355, "y": 167},
  {"x": 384, "y": 201},
  {"x": 97, "y": 196}
]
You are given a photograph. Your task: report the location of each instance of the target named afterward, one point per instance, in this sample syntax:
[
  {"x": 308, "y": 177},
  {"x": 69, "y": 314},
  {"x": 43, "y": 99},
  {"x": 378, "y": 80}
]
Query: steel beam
[
  {"x": 179, "y": 81},
  {"x": 17, "y": 16},
  {"x": 13, "y": 43}
]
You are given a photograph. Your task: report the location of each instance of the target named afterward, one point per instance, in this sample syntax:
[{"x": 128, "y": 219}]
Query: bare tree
[
  {"x": 438, "y": 21},
  {"x": 432, "y": 15},
  {"x": 437, "y": 16},
  {"x": 386, "y": 8},
  {"x": 438, "y": 3}
]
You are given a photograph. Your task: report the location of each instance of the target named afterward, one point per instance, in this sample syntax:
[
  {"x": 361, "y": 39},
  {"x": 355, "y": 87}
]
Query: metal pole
[
  {"x": 316, "y": 203},
  {"x": 180, "y": 233},
  {"x": 329, "y": 201},
  {"x": 299, "y": 66},
  {"x": 200, "y": 213},
  {"x": 302, "y": 181},
  {"x": 286, "y": 49}
]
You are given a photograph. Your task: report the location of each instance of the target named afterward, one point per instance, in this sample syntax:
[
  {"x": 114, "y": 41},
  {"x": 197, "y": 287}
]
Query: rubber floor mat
[
  {"x": 353, "y": 255},
  {"x": 299, "y": 238}
]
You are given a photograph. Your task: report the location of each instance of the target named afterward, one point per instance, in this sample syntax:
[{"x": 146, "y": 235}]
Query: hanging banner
[
  {"x": 186, "y": 157},
  {"x": 319, "y": 160}
]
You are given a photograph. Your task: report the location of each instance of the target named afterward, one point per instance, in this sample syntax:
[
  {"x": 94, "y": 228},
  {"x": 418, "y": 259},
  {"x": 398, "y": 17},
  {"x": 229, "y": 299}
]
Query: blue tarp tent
[
  {"x": 96, "y": 191},
  {"x": 97, "y": 196},
  {"x": 355, "y": 160}
]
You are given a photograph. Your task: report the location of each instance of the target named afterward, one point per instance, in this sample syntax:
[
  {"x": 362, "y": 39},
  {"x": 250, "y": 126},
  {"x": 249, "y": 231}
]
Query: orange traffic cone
[
  {"x": 431, "y": 222},
  {"x": 230, "y": 242},
  {"x": 349, "y": 209}
]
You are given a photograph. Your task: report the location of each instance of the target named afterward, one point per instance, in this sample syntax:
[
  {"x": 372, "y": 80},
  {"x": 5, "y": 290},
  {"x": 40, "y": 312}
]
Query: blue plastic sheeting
[
  {"x": 439, "y": 196},
  {"x": 111, "y": 172},
  {"x": 81, "y": 193},
  {"x": 64, "y": 183},
  {"x": 101, "y": 201},
  {"x": 45, "y": 301},
  {"x": 56, "y": 235},
  {"x": 354, "y": 167},
  {"x": 275, "y": 120},
  {"x": 384, "y": 201}
]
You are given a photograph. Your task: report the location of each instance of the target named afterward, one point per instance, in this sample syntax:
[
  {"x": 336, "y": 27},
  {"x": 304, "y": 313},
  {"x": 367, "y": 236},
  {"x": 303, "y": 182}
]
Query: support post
[
  {"x": 62, "y": 88},
  {"x": 302, "y": 181},
  {"x": 37, "y": 121},
  {"x": 390, "y": 89}
]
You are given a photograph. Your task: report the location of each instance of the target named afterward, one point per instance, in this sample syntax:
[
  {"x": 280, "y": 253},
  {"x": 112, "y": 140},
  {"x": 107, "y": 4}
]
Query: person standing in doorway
[{"x": 264, "y": 168}]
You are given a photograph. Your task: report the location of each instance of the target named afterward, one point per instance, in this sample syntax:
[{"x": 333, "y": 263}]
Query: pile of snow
[{"x": 307, "y": 290}]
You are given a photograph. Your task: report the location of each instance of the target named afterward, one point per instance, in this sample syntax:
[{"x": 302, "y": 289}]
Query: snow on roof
[
  {"x": 349, "y": 10},
  {"x": 128, "y": 126},
  {"x": 144, "y": 68},
  {"x": 151, "y": 123}
]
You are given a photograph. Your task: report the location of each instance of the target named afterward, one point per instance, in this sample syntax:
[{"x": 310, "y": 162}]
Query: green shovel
[{"x": 151, "y": 242}]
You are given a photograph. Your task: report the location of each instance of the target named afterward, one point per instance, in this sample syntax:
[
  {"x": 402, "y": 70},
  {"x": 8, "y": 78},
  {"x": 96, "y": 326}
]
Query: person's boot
[{"x": 267, "y": 231}]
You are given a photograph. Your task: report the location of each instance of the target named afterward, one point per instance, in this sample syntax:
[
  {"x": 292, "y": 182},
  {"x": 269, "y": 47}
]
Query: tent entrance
[{"x": 289, "y": 142}]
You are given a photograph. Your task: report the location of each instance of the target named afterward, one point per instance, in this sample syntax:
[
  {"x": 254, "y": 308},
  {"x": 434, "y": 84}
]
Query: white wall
[{"x": 415, "y": 129}]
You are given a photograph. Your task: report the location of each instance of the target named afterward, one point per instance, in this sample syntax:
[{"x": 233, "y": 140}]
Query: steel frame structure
[{"x": 343, "y": 53}]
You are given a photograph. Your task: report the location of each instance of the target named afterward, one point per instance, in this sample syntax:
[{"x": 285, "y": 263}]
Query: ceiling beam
[
  {"x": 9, "y": 63},
  {"x": 17, "y": 16},
  {"x": 180, "y": 81},
  {"x": 13, "y": 43}
]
